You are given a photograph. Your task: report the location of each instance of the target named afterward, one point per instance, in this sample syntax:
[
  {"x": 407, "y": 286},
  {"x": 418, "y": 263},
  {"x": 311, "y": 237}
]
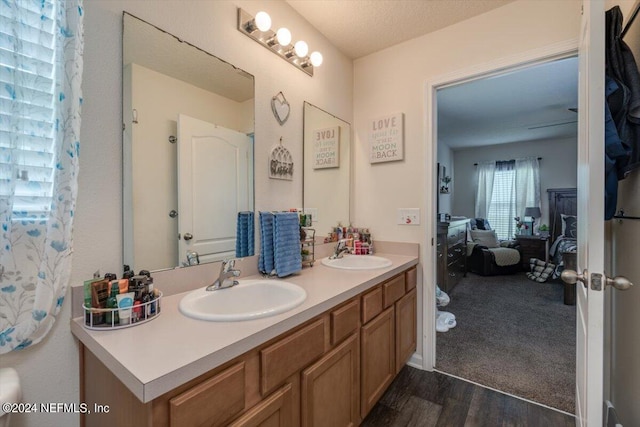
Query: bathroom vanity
[{"x": 326, "y": 362}]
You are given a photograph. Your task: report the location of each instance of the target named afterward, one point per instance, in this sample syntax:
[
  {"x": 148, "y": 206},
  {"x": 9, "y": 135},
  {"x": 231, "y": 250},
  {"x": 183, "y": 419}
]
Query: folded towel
[
  {"x": 286, "y": 243},
  {"x": 266, "y": 260},
  {"x": 244, "y": 234}
]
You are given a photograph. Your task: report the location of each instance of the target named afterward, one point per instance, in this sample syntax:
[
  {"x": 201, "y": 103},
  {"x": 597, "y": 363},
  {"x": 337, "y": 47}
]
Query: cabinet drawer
[
  {"x": 344, "y": 321},
  {"x": 411, "y": 279},
  {"x": 213, "y": 402},
  {"x": 290, "y": 354},
  {"x": 392, "y": 290},
  {"x": 455, "y": 252},
  {"x": 371, "y": 304},
  {"x": 276, "y": 411}
]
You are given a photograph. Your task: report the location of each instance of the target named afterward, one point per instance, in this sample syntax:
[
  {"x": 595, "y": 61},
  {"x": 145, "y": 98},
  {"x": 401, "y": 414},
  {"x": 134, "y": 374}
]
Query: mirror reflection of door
[
  {"x": 213, "y": 173},
  {"x": 164, "y": 77}
]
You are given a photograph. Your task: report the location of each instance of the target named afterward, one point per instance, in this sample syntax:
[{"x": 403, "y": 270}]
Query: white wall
[
  {"x": 393, "y": 80},
  {"x": 625, "y": 358},
  {"x": 558, "y": 169},
  {"x": 49, "y": 370}
]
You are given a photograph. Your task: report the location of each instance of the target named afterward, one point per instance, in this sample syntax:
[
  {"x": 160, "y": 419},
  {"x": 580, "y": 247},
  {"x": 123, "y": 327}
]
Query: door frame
[{"x": 565, "y": 49}]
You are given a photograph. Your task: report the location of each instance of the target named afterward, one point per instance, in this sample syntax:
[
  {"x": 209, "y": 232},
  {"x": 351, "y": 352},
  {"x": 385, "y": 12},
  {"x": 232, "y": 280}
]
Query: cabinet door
[
  {"x": 274, "y": 411},
  {"x": 406, "y": 328},
  {"x": 331, "y": 388},
  {"x": 378, "y": 366}
]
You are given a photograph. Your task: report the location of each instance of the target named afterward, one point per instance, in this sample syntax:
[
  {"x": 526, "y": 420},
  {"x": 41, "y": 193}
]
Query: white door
[
  {"x": 590, "y": 302},
  {"x": 213, "y": 178}
]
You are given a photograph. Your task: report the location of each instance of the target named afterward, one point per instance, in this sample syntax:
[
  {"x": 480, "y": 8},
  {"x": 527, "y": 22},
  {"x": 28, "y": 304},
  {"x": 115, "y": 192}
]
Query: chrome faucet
[
  {"x": 193, "y": 258},
  {"x": 340, "y": 250},
  {"x": 225, "y": 278}
]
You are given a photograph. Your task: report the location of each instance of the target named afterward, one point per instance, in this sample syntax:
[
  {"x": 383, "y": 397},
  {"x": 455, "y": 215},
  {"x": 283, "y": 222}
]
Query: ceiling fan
[{"x": 575, "y": 110}]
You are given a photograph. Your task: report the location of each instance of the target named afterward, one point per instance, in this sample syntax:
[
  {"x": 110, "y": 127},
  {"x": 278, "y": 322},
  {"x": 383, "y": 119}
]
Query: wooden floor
[{"x": 421, "y": 398}]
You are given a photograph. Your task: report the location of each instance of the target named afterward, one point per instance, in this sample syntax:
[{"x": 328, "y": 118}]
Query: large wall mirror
[
  {"x": 187, "y": 150},
  {"x": 327, "y": 168}
]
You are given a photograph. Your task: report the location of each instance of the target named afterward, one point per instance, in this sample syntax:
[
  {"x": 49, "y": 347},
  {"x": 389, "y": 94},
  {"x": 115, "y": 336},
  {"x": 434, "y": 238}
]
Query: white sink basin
[
  {"x": 251, "y": 299},
  {"x": 358, "y": 262}
]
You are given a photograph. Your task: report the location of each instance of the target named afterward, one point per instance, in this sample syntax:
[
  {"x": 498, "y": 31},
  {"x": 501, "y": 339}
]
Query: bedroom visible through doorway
[{"x": 508, "y": 330}]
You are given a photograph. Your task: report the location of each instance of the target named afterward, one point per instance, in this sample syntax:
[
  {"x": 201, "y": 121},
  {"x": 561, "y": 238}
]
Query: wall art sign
[
  {"x": 326, "y": 148},
  {"x": 386, "y": 138},
  {"x": 280, "y": 108}
]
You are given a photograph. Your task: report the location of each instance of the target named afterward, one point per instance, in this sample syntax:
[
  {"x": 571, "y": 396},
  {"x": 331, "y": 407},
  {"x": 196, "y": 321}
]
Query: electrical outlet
[{"x": 408, "y": 216}]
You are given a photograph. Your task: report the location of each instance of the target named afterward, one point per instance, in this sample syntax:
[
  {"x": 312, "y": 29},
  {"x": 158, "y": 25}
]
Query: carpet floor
[{"x": 514, "y": 335}]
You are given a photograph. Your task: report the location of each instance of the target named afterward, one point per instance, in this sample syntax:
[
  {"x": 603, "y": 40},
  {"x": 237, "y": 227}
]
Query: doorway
[{"x": 457, "y": 201}]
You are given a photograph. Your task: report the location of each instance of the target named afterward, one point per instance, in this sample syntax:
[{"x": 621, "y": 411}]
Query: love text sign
[
  {"x": 386, "y": 137},
  {"x": 326, "y": 148}
]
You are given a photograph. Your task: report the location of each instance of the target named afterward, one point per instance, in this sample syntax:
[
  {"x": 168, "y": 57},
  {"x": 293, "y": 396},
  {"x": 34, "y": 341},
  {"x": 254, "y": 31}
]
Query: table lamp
[{"x": 533, "y": 212}]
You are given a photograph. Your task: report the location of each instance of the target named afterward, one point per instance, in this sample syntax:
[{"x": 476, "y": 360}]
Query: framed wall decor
[
  {"x": 386, "y": 138},
  {"x": 326, "y": 148}
]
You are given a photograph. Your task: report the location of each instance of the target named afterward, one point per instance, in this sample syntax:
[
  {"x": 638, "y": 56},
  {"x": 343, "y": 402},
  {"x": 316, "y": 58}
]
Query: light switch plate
[{"x": 408, "y": 216}]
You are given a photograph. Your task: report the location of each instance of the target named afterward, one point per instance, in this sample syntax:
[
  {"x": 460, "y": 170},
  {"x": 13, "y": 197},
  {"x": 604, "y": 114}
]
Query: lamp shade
[{"x": 533, "y": 212}]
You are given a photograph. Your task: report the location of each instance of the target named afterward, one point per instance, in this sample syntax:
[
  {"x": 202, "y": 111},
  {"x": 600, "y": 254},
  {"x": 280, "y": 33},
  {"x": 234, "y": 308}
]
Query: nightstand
[{"x": 533, "y": 247}]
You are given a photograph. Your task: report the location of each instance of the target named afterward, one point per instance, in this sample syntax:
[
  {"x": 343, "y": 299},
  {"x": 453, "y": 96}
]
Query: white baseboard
[{"x": 416, "y": 361}]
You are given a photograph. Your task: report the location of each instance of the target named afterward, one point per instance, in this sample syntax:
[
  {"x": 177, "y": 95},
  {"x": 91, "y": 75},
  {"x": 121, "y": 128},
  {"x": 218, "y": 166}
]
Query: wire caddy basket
[{"x": 106, "y": 319}]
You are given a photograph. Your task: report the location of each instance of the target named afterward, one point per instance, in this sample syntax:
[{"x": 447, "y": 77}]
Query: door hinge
[
  {"x": 432, "y": 241},
  {"x": 596, "y": 281}
]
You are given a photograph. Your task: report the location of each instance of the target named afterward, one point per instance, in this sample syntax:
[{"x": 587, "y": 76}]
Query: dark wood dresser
[
  {"x": 533, "y": 247},
  {"x": 452, "y": 253}
]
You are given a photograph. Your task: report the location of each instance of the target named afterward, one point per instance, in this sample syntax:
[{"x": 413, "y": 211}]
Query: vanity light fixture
[{"x": 278, "y": 42}]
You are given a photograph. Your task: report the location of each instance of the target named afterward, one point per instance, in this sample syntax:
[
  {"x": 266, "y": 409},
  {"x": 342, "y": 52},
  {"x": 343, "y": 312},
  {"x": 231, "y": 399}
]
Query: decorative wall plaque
[
  {"x": 386, "y": 138},
  {"x": 326, "y": 148},
  {"x": 280, "y": 107},
  {"x": 281, "y": 163}
]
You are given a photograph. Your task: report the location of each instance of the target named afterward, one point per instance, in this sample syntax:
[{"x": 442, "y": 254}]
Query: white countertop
[{"x": 154, "y": 358}]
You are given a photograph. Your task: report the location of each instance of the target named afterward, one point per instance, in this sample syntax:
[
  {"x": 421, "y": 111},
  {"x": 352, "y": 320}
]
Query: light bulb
[
  {"x": 301, "y": 48},
  {"x": 316, "y": 59},
  {"x": 283, "y": 36},
  {"x": 263, "y": 21}
]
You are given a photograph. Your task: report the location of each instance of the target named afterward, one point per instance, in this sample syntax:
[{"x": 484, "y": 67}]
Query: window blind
[
  {"x": 502, "y": 207},
  {"x": 27, "y": 123}
]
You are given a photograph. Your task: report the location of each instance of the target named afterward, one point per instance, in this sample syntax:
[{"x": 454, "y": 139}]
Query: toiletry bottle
[
  {"x": 146, "y": 299},
  {"x": 112, "y": 304},
  {"x": 139, "y": 297},
  {"x": 99, "y": 295},
  {"x": 128, "y": 273},
  {"x": 152, "y": 297}
]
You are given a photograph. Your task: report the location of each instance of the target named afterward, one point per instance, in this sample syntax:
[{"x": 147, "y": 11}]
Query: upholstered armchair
[{"x": 488, "y": 256}]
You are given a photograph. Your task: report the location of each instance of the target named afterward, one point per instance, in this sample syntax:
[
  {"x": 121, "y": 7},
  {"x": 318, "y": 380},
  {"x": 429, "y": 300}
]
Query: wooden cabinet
[
  {"x": 213, "y": 402},
  {"x": 331, "y": 388},
  {"x": 291, "y": 354},
  {"x": 378, "y": 359},
  {"x": 371, "y": 304},
  {"x": 328, "y": 372},
  {"x": 406, "y": 328},
  {"x": 452, "y": 253},
  {"x": 533, "y": 247},
  {"x": 275, "y": 411},
  {"x": 345, "y": 320}
]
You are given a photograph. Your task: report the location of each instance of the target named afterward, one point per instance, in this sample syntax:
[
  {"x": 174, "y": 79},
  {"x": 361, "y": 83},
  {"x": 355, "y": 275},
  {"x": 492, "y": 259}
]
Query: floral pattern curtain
[{"x": 39, "y": 147}]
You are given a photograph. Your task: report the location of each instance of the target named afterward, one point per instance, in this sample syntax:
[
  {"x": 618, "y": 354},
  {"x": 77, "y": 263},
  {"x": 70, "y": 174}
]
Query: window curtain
[
  {"x": 527, "y": 184},
  {"x": 485, "y": 173},
  {"x": 40, "y": 101},
  {"x": 504, "y": 190}
]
